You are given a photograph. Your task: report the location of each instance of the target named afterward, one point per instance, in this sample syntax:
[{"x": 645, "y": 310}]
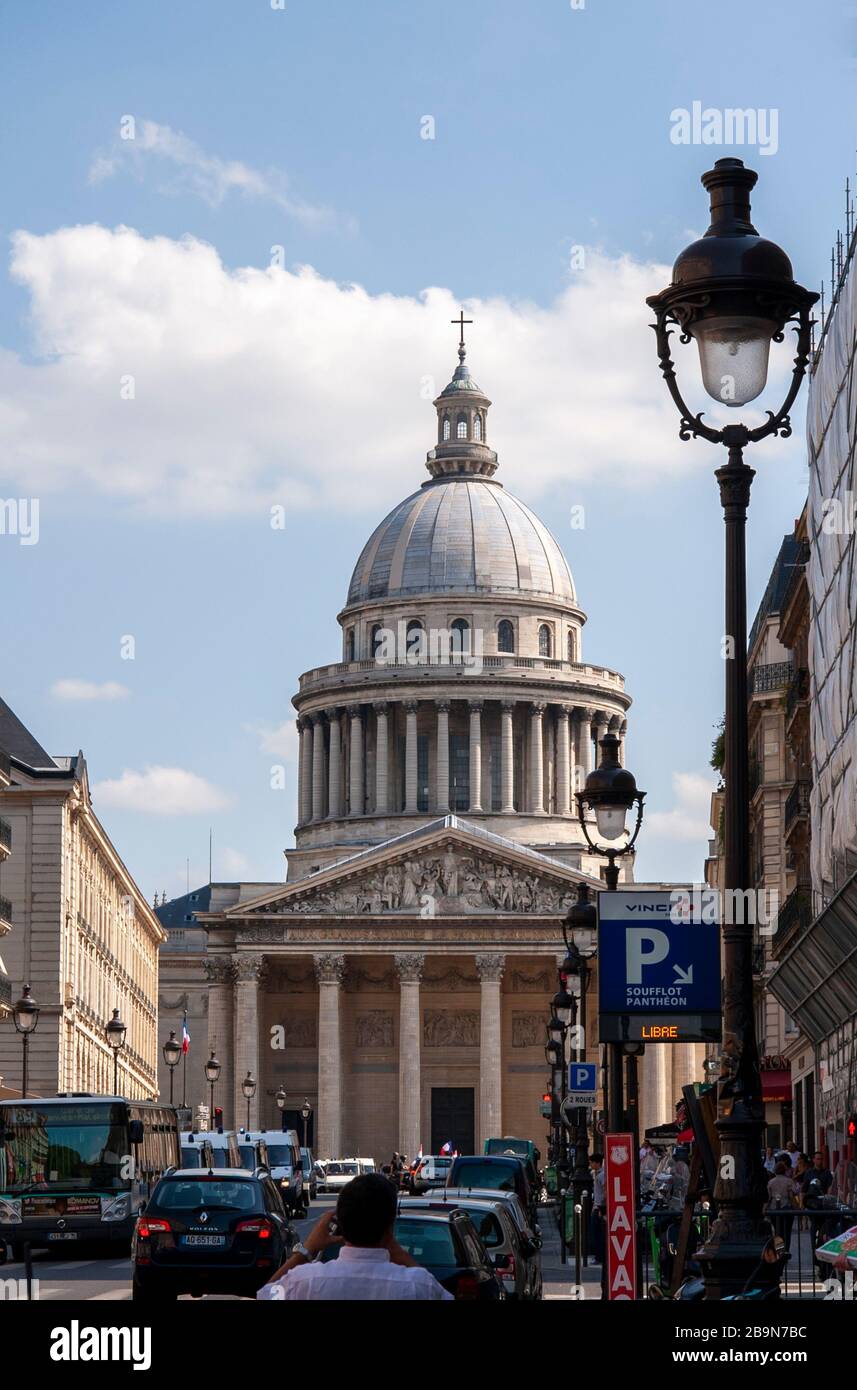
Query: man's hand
[
  {"x": 398, "y": 1255},
  {"x": 320, "y": 1236}
]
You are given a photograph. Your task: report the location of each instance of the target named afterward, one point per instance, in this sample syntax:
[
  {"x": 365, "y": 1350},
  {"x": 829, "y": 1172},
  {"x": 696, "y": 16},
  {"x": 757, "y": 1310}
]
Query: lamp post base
[{"x": 732, "y": 1261}]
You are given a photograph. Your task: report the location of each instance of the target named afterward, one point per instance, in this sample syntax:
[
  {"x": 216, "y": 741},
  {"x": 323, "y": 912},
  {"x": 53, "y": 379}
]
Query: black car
[
  {"x": 446, "y": 1243},
  {"x": 504, "y": 1174},
  {"x": 223, "y": 1230}
]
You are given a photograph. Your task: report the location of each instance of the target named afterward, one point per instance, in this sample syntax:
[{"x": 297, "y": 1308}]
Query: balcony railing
[
  {"x": 774, "y": 676},
  {"x": 797, "y": 803},
  {"x": 509, "y": 662},
  {"x": 5, "y": 911},
  {"x": 795, "y": 914},
  {"x": 798, "y": 690},
  {"x": 5, "y": 836},
  {"x": 5, "y": 994}
]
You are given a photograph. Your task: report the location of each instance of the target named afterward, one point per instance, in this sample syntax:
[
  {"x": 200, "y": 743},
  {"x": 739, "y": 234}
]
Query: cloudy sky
[{"x": 233, "y": 236}]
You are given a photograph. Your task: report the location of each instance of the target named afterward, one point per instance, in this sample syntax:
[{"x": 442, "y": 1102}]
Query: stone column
[
  {"x": 410, "y": 757},
  {"x": 220, "y": 975},
  {"x": 382, "y": 760},
  {"x": 684, "y": 1068},
  {"x": 537, "y": 791},
  {"x": 410, "y": 971},
  {"x": 623, "y": 729},
  {"x": 507, "y": 756},
  {"x": 248, "y": 973},
  {"x": 475, "y": 755},
  {"x": 330, "y": 972},
  {"x": 318, "y": 767},
  {"x": 602, "y": 723},
  {"x": 490, "y": 971},
  {"x": 355, "y": 779},
  {"x": 305, "y": 810},
  {"x": 563, "y": 762},
  {"x": 334, "y": 766},
  {"x": 584, "y": 743},
  {"x": 442, "y": 763},
  {"x": 657, "y": 1099}
]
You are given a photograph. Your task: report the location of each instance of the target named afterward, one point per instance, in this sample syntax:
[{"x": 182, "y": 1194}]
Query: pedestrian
[
  {"x": 821, "y": 1173},
  {"x": 599, "y": 1208},
  {"x": 371, "y": 1264},
  {"x": 793, "y": 1152},
  {"x": 769, "y": 1162},
  {"x": 782, "y": 1202},
  {"x": 680, "y": 1174}
]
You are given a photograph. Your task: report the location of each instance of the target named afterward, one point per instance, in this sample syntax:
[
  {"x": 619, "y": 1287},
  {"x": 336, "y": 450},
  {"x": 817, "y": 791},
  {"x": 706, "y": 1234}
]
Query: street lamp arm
[{"x": 691, "y": 426}]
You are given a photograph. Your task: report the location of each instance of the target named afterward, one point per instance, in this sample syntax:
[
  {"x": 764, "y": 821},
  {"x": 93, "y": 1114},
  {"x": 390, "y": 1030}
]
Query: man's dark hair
[
  {"x": 366, "y": 1209},
  {"x": 596, "y": 1158}
]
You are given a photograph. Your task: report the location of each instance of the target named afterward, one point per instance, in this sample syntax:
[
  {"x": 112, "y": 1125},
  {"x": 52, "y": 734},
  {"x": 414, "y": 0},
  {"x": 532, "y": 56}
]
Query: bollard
[
  {"x": 562, "y": 1249},
  {"x": 578, "y": 1241},
  {"x": 586, "y": 1211}
]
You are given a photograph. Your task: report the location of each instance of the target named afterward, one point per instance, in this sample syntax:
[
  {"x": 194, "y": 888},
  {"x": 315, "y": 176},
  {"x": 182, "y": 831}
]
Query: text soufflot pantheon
[{"x": 400, "y": 978}]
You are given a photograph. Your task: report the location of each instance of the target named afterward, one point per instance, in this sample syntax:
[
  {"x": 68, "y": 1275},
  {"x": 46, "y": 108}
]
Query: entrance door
[{"x": 453, "y": 1118}]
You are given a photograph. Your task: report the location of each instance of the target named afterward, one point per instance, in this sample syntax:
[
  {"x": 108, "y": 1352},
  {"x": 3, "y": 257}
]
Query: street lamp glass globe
[
  {"x": 611, "y": 821},
  {"x": 172, "y": 1050},
  {"x": 306, "y": 1110},
  {"x": 212, "y": 1069},
  {"x": 248, "y": 1086},
  {"x": 116, "y": 1031},
  {"x": 281, "y": 1099},
  {"x": 556, "y": 1029},
  {"x": 733, "y": 356},
  {"x": 26, "y": 1012}
]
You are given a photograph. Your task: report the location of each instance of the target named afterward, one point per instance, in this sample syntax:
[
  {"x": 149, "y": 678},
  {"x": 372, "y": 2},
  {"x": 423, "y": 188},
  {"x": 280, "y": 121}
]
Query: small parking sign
[{"x": 581, "y": 1077}]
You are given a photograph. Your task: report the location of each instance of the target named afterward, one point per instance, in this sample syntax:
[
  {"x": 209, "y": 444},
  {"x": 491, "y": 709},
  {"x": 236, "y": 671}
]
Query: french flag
[
  {"x": 185, "y": 1036},
  {"x": 447, "y": 1148}
]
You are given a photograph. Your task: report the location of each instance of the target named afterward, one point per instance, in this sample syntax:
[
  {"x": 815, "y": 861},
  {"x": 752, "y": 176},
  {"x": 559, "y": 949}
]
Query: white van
[{"x": 284, "y": 1162}]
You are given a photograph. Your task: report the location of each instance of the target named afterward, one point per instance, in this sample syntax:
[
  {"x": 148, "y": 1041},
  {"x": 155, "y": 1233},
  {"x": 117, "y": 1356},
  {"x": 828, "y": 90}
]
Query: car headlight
[
  {"x": 284, "y": 1182},
  {"x": 114, "y": 1208},
  {"x": 10, "y": 1210}
]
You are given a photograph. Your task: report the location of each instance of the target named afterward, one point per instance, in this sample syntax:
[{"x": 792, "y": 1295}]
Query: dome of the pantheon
[{"x": 461, "y": 532}]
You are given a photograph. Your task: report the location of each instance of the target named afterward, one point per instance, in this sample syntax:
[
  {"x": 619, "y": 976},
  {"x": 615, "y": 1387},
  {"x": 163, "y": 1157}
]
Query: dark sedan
[
  {"x": 220, "y": 1231},
  {"x": 446, "y": 1243},
  {"x": 504, "y": 1174}
]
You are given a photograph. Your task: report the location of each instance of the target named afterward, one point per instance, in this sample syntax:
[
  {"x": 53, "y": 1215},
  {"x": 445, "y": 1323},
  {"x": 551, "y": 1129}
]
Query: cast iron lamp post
[
  {"x": 281, "y": 1099},
  {"x": 25, "y": 1016},
  {"x": 734, "y": 293},
  {"x": 306, "y": 1111},
  {"x": 172, "y": 1051},
  {"x": 248, "y": 1087},
  {"x": 581, "y": 916},
  {"x": 611, "y": 792},
  {"x": 116, "y": 1031},
  {"x": 212, "y": 1072},
  {"x": 555, "y": 1055}
]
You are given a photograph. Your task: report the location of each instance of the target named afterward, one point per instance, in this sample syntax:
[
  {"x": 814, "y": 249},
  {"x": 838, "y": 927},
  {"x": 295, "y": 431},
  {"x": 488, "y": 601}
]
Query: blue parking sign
[{"x": 581, "y": 1076}]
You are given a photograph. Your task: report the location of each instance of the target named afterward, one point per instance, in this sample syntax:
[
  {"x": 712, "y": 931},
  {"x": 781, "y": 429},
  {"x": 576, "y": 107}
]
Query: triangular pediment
[{"x": 450, "y": 867}]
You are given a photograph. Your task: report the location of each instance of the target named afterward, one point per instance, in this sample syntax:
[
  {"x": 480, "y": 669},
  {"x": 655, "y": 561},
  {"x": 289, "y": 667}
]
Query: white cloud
[
  {"x": 192, "y": 170},
  {"x": 281, "y": 741},
  {"x": 160, "y": 791},
  {"x": 261, "y": 387},
  {"x": 73, "y": 689},
  {"x": 689, "y": 818}
]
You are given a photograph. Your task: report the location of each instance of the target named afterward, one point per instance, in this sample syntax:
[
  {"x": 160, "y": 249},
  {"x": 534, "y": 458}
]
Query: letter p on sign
[{"x": 636, "y": 938}]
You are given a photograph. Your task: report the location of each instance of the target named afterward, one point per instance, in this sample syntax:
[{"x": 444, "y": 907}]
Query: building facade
[
  {"x": 84, "y": 938},
  {"x": 5, "y": 904}
]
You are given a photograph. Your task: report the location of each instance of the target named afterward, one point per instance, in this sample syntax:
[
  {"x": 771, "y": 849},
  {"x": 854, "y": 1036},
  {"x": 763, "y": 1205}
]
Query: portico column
[
  {"x": 623, "y": 729},
  {"x": 382, "y": 760},
  {"x": 355, "y": 788},
  {"x": 305, "y": 778},
  {"x": 334, "y": 766},
  {"x": 330, "y": 972},
  {"x": 442, "y": 756},
  {"x": 410, "y": 971},
  {"x": 584, "y": 743},
  {"x": 537, "y": 790},
  {"x": 657, "y": 1097},
  {"x": 248, "y": 973},
  {"x": 490, "y": 971},
  {"x": 602, "y": 723},
  {"x": 220, "y": 974},
  {"x": 410, "y": 755},
  {"x": 684, "y": 1072},
  {"x": 318, "y": 767},
  {"x": 475, "y": 755},
  {"x": 563, "y": 762},
  {"x": 507, "y": 756}
]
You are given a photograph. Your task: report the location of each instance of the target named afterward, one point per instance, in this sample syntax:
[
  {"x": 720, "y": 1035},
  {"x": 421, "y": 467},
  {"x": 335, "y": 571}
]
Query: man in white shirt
[{"x": 371, "y": 1263}]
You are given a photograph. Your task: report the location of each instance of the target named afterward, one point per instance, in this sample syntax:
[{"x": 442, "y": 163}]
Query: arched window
[
  {"x": 461, "y": 428},
  {"x": 460, "y": 639},
  {"x": 572, "y": 644},
  {"x": 505, "y": 636},
  {"x": 477, "y": 427},
  {"x": 415, "y": 642},
  {"x": 375, "y": 640},
  {"x": 349, "y": 644},
  {"x": 544, "y": 640},
  {"x": 446, "y": 427}
]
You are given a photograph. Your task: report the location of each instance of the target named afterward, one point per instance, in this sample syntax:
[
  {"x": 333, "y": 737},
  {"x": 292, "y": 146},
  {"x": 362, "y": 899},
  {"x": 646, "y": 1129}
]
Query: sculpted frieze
[
  {"x": 451, "y": 1028},
  {"x": 528, "y": 1030},
  {"x": 375, "y": 1029}
]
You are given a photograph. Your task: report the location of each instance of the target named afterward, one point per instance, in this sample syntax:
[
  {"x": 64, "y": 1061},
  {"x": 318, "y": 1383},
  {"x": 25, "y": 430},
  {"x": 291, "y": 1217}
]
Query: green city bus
[{"x": 76, "y": 1169}]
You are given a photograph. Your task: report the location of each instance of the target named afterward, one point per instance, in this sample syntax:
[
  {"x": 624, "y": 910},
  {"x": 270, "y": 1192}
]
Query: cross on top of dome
[
  {"x": 461, "y": 321},
  {"x": 462, "y": 418}
]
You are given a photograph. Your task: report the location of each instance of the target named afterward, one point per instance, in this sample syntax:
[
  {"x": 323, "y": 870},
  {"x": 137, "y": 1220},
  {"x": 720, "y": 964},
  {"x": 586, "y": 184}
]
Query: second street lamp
[
  {"x": 248, "y": 1087},
  {"x": 172, "y": 1051},
  {"x": 306, "y": 1111},
  {"x": 116, "y": 1031},
  {"x": 25, "y": 1016},
  {"x": 212, "y": 1072},
  {"x": 581, "y": 917},
  {"x": 281, "y": 1099},
  {"x": 734, "y": 293}
]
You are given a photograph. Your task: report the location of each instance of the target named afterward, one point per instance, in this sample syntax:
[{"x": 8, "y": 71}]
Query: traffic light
[
  {"x": 852, "y": 1126},
  {"x": 218, "y": 1118}
]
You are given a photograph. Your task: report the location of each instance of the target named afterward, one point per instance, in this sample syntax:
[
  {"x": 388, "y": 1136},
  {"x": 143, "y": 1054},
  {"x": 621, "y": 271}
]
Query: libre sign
[
  {"x": 659, "y": 977},
  {"x": 621, "y": 1228}
]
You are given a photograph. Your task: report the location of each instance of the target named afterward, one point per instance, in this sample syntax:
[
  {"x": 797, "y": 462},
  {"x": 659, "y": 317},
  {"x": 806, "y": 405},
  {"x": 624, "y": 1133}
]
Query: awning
[
  {"x": 776, "y": 1085},
  {"x": 816, "y": 980}
]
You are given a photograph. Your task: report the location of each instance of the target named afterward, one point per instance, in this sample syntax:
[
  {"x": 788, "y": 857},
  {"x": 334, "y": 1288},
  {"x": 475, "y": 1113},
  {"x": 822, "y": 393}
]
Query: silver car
[{"x": 529, "y": 1242}]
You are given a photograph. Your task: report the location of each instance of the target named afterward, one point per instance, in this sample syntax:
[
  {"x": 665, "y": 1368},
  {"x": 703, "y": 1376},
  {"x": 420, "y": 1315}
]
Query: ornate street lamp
[
  {"x": 172, "y": 1050},
  {"x": 116, "y": 1031},
  {"x": 306, "y": 1111},
  {"x": 212, "y": 1072},
  {"x": 734, "y": 293},
  {"x": 248, "y": 1087},
  {"x": 581, "y": 916},
  {"x": 281, "y": 1099},
  {"x": 25, "y": 1016}
]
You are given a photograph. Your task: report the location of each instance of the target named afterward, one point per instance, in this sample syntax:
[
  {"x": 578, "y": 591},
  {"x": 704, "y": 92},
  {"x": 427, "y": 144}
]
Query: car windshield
[
  {"x": 428, "y": 1242},
  {"x": 488, "y": 1227},
  {"x": 76, "y": 1148},
  {"x": 520, "y": 1148},
  {"x": 485, "y": 1175},
  {"x": 281, "y": 1155},
  {"x": 341, "y": 1170},
  {"x": 189, "y": 1194},
  {"x": 191, "y": 1157},
  {"x": 248, "y": 1157}
]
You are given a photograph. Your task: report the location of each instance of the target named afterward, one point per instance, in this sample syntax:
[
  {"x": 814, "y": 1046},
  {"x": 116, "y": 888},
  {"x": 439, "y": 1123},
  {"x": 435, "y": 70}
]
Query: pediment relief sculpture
[{"x": 451, "y": 1028}]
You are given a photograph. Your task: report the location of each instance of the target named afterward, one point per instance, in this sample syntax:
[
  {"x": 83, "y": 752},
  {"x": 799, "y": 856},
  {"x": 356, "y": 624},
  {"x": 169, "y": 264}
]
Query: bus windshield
[{"x": 81, "y": 1147}]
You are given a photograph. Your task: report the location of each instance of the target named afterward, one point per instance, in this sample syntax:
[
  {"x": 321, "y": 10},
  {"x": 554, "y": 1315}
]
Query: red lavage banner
[{"x": 621, "y": 1230}]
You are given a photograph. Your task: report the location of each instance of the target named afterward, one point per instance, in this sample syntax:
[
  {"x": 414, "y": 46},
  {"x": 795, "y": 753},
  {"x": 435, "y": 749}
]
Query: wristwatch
[{"x": 300, "y": 1249}]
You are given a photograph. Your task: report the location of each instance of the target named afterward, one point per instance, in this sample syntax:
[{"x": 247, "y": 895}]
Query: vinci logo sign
[{"x": 621, "y": 1228}]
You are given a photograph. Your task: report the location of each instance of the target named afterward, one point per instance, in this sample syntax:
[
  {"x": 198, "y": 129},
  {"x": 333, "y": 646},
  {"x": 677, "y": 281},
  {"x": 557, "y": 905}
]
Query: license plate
[
  {"x": 202, "y": 1240},
  {"x": 62, "y": 1235}
]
